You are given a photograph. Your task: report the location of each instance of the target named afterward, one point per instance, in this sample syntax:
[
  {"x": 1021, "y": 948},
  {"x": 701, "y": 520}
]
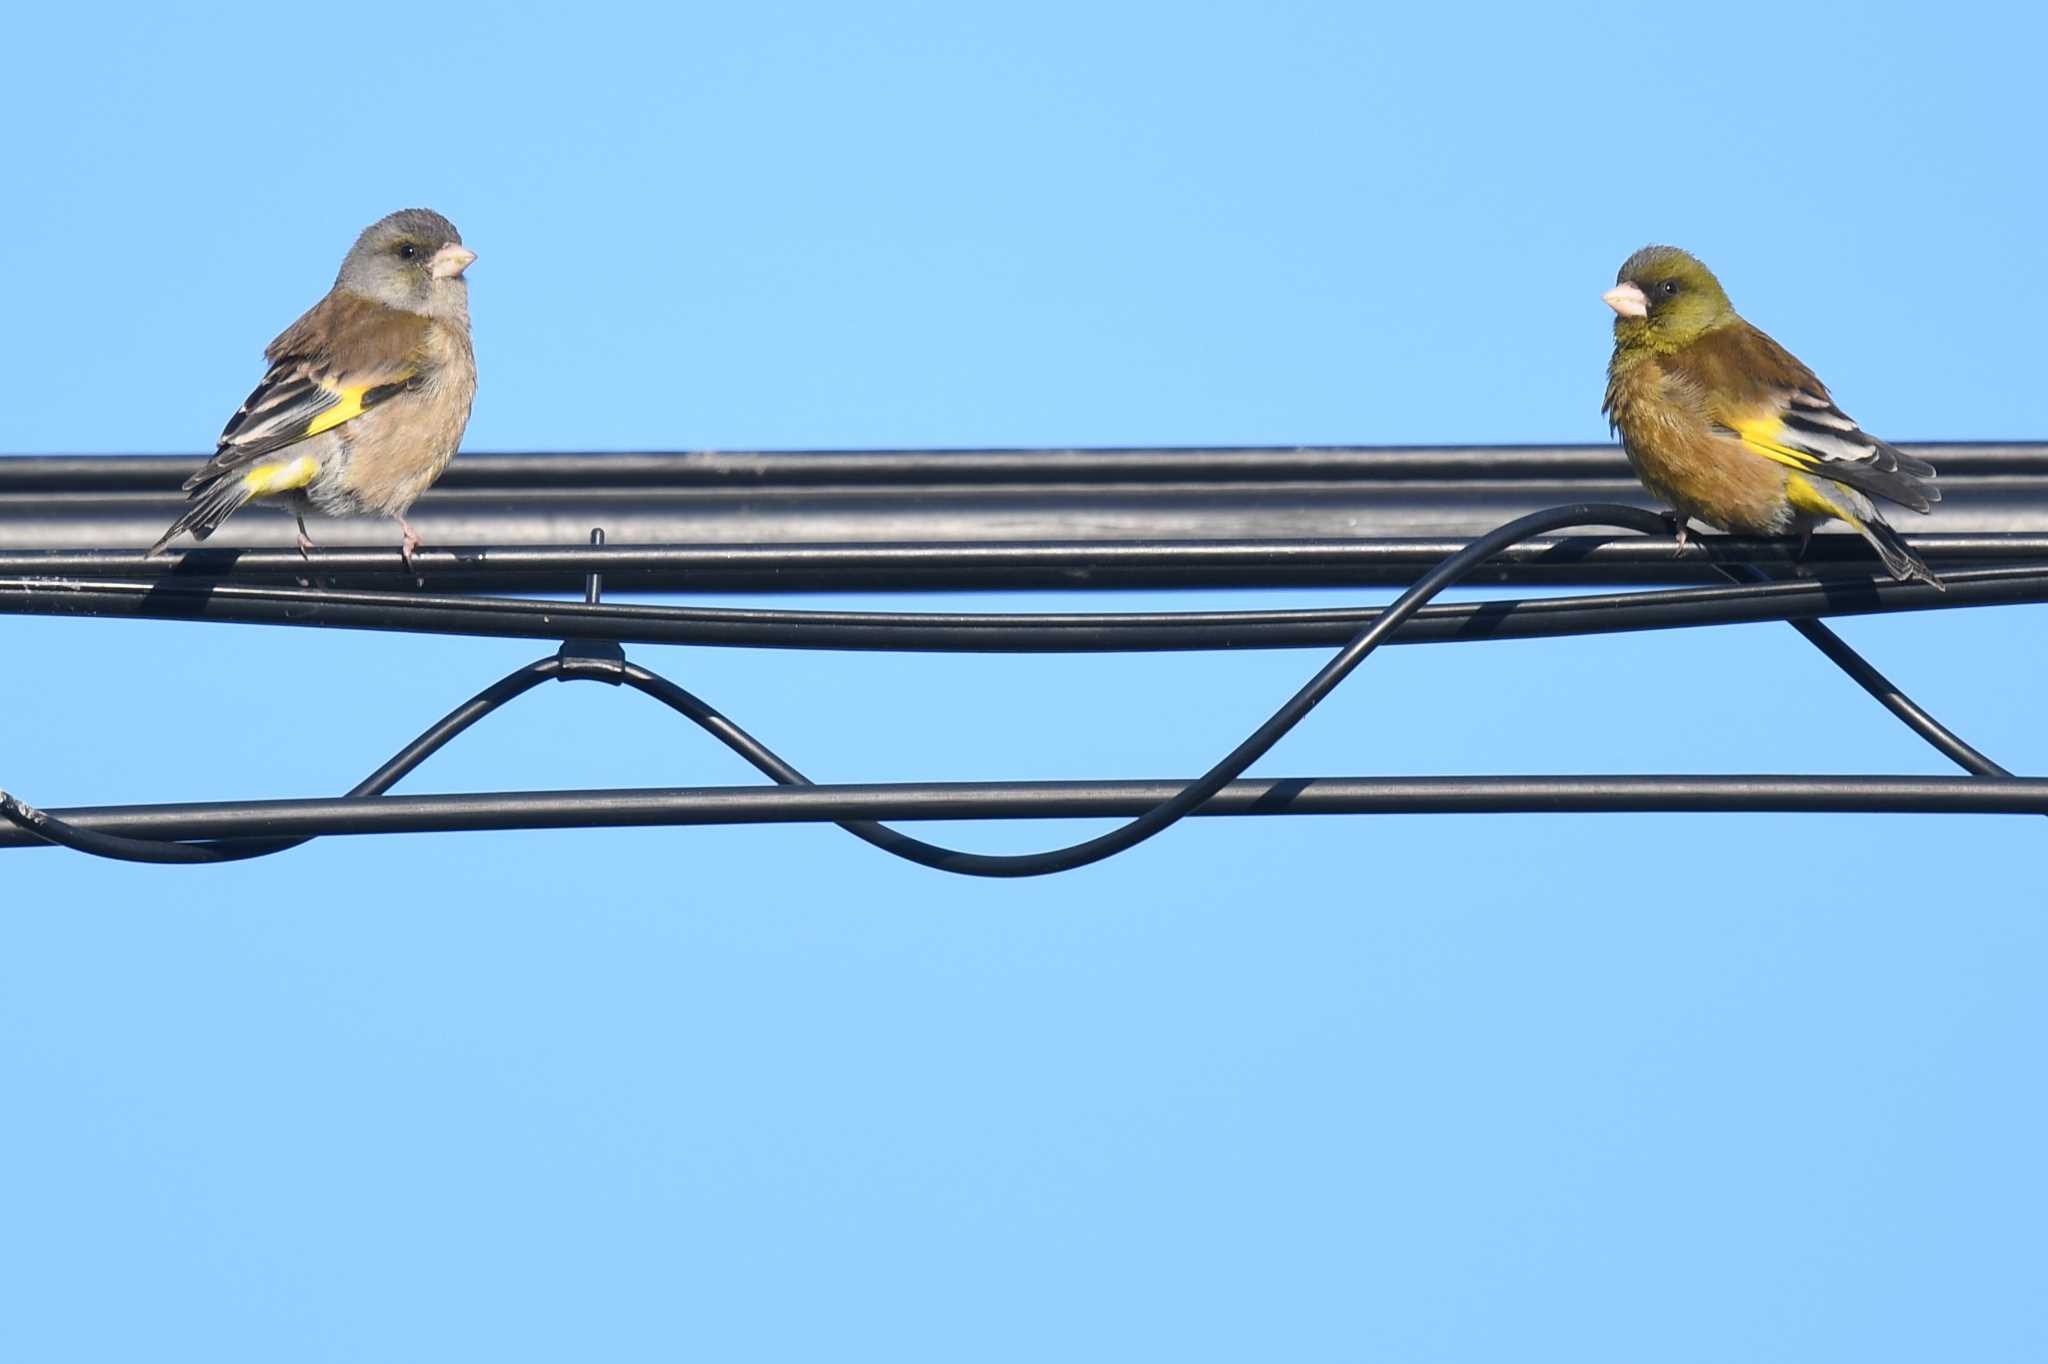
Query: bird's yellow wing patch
[
  {"x": 1766, "y": 436},
  {"x": 348, "y": 406},
  {"x": 266, "y": 479},
  {"x": 293, "y": 404}
]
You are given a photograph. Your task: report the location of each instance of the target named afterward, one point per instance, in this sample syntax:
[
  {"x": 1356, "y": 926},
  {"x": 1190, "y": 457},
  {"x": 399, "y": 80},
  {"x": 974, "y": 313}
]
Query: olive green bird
[{"x": 1726, "y": 425}]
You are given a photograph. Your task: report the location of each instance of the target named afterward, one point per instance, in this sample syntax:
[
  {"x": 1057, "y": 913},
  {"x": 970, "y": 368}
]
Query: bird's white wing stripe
[
  {"x": 1830, "y": 417},
  {"x": 278, "y": 411},
  {"x": 1811, "y": 407},
  {"x": 1826, "y": 444}
]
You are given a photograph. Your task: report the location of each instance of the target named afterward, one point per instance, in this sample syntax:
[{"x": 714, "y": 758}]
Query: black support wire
[
  {"x": 211, "y": 833},
  {"x": 904, "y": 801}
]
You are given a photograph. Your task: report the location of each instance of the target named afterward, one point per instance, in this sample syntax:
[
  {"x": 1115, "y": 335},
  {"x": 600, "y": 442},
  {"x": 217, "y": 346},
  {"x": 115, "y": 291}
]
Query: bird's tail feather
[
  {"x": 211, "y": 505},
  {"x": 1822, "y": 498},
  {"x": 1903, "y": 562}
]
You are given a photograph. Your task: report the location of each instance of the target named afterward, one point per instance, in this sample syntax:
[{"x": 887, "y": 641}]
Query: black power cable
[
  {"x": 1115, "y": 799},
  {"x": 870, "y": 520},
  {"x": 1758, "y": 599}
]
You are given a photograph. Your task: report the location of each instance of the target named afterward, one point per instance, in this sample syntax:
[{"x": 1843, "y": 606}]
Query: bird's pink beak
[
  {"x": 450, "y": 261},
  {"x": 1627, "y": 300}
]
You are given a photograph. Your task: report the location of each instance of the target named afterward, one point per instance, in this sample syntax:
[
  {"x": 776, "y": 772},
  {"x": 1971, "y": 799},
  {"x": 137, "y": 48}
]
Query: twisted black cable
[
  {"x": 605, "y": 662},
  {"x": 43, "y": 825},
  {"x": 1167, "y": 812}
]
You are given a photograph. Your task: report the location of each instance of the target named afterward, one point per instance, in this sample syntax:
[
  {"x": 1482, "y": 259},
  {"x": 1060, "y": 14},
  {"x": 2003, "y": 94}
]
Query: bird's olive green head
[
  {"x": 1663, "y": 298},
  {"x": 412, "y": 260}
]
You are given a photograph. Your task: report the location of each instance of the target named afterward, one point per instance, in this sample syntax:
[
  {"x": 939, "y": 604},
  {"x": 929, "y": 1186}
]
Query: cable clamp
[{"x": 595, "y": 660}]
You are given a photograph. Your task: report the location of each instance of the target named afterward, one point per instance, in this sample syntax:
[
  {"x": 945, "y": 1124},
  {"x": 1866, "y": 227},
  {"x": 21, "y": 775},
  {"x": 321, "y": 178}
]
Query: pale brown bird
[
  {"x": 367, "y": 394},
  {"x": 1728, "y": 427}
]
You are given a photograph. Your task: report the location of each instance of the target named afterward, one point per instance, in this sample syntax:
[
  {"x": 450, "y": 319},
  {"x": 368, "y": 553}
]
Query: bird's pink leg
[
  {"x": 410, "y": 544},
  {"x": 305, "y": 540},
  {"x": 1678, "y": 520}
]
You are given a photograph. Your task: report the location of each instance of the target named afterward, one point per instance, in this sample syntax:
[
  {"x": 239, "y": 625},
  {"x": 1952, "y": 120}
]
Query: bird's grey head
[{"x": 413, "y": 260}]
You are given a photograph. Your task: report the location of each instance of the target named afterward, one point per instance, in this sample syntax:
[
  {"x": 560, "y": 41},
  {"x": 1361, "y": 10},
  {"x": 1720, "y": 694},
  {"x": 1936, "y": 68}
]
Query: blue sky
[{"x": 1447, "y": 1089}]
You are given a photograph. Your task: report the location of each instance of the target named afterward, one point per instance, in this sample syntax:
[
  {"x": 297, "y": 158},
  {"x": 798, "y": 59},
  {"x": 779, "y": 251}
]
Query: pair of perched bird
[{"x": 368, "y": 393}]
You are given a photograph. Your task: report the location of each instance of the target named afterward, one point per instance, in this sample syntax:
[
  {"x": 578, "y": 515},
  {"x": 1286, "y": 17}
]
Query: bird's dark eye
[
  {"x": 1668, "y": 287},
  {"x": 407, "y": 251}
]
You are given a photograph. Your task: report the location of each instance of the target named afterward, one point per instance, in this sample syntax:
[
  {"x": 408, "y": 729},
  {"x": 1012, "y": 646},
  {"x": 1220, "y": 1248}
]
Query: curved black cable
[
  {"x": 1233, "y": 764},
  {"x": 899, "y": 844},
  {"x": 1938, "y": 736},
  {"x": 48, "y": 827}
]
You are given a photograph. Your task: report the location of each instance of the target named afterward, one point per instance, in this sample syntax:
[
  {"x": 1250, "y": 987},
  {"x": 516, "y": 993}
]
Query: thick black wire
[
  {"x": 1757, "y": 599},
  {"x": 1169, "y": 558},
  {"x": 768, "y": 803}
]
